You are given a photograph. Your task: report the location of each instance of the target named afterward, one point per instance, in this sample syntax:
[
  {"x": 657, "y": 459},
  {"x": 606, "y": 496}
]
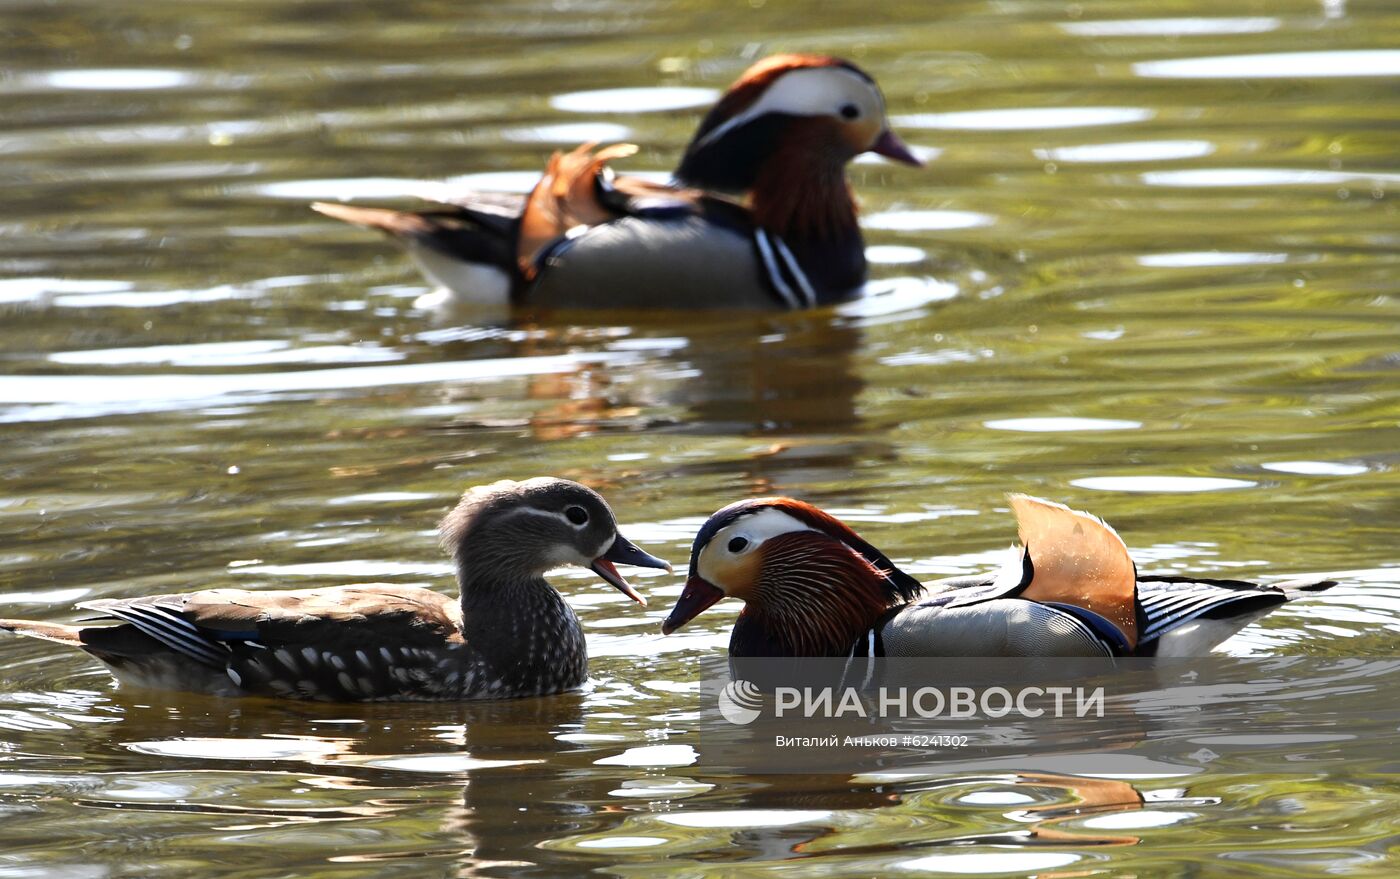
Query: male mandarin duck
[
  {"x": 759, "y": 214},
  {"x": 510, "y": 635},
  {"x": 812, "y": 587}
]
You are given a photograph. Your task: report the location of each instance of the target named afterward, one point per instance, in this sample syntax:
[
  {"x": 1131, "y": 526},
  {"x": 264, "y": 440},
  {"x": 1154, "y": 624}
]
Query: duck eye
[
  {"x": 850, "y": 111},
  {"x": 576, "y": 515},
  {"x": 738, "y": 544}
]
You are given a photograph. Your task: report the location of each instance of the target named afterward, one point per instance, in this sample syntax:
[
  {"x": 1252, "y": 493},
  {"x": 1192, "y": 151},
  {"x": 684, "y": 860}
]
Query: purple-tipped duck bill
[
  {"x": 697, "y": 595},
  {"x": 891, "y": 147}
]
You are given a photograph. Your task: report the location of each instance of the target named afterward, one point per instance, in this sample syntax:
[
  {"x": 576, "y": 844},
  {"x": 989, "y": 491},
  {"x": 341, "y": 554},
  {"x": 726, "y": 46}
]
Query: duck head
[
  {"x": 812, "y": 107},
  {"x": 510, "y": 531},
  {"x": 809, "y": 583},
  {"x": 784, "y": 133}
]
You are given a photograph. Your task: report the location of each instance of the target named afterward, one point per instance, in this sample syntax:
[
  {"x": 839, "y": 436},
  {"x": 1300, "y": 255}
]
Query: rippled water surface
[{"x": 1149, "y": 271}]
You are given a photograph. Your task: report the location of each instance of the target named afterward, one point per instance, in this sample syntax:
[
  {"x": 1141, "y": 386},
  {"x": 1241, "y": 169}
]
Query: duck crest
[
  {"x": 900, "y": 586},
  {"x": 746, "y": 90}
]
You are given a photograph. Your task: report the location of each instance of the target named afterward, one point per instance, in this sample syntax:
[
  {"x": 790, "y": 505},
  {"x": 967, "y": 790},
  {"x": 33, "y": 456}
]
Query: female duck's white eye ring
[
  {"x": 738, "y": 544},
  {"x": 578, "y": 516}
]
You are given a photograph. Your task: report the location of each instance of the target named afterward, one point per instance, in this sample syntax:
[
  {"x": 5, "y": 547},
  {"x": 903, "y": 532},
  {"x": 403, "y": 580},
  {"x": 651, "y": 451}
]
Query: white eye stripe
[
  {"x": 763, "y": 525},
  {"x": 811, "y": 91},
  {"x": 551, "y": 514}
]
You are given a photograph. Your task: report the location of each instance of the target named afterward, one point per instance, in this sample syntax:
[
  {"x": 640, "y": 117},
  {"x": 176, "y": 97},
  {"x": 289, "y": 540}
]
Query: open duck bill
[
  {"x": 697, "y": 595},
  {"x": 891, "y": 147},
  {"x": 625, "y": 552}
]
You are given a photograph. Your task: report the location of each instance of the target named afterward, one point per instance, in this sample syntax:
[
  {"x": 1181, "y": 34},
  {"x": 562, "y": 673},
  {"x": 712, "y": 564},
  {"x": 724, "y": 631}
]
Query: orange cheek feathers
[{"x": 738, "y": 577}]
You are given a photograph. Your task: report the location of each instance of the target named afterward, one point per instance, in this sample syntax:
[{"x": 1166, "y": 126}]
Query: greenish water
[{"x": 1149, "y": 271}]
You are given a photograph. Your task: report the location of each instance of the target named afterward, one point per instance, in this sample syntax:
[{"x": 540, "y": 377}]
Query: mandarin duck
[
  {"x": 759, "y": 213},
  {"x": 510, "y": 635},
  {"x": 812, "y": 587}
]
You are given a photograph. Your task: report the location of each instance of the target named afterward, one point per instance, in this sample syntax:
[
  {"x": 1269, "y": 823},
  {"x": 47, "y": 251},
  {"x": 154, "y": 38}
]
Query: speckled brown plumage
[{"x": 510, "y": 635}]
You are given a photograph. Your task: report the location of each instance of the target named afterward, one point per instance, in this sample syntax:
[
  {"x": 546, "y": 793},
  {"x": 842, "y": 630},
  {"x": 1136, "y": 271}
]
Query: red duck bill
[{"x": 698, "y": 595}]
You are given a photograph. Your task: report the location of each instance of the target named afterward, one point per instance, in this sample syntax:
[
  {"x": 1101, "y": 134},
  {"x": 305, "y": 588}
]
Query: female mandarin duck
[
  {"x": 510, "y": 635},
  {"x": 759, "y": 215},
  {"x": 812, "y": 587}
]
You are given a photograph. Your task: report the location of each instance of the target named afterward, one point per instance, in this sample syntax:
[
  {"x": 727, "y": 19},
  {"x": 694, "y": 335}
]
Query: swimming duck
[
  {"x": 759, "y": 213},
  {"x": 510, "y": 635},
  {"x": 813, "y": 587}
]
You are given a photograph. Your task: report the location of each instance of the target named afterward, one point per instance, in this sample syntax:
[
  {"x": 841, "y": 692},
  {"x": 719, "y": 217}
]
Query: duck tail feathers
[
  {"x": 1303, "y": 586},
  {"x": 396, "y": 223},
  {"x": 59, "y": 634}
]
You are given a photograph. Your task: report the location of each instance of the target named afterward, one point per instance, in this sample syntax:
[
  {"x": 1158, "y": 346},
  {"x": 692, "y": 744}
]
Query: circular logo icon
[{"x": 740, "y": 702}]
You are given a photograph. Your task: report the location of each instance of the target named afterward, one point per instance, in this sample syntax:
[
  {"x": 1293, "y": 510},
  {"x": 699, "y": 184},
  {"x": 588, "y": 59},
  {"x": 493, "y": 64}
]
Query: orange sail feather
[
  {"x": 564, "y": 199},
  {"x": 1078, "y": 560}
]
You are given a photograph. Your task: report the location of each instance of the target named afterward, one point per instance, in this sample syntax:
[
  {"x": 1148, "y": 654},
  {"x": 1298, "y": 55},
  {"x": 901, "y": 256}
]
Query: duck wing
[
  {"x": 1187, "y": 616},
  {"x": 350, "y": 642},
  {"x": 1179, "y": 616}
]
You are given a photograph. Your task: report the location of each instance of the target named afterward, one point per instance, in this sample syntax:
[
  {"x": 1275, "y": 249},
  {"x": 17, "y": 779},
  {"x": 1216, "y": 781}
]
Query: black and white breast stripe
[
  {"x": 165, "y": 624},
  {"x": 784, "y": 274},
  {"x": 868, "y": 645}
]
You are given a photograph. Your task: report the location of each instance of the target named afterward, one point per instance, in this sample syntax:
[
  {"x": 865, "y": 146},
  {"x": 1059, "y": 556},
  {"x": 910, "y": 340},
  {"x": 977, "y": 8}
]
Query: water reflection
[
  {"x": 796, "y": 376},
  {"x": 1161, "y": 484},
  {"x": 744, "y": 375},
  {"x": 927, "y": 221},
  {"x": 634, "y": 100},
  {"x": 472, "y": 771},
  {"x": 569, "y": 133},
  {"x": 1316, "y": 468},
  {"x": 1211, "y": 177},
  {"x": 1201, "y": 259},
  {"x": 1284, "y": 65},
  {"x": 910, "y": 823},
  {"x": 1055, "y": 425},
  {"x": 1025, "y": 118},
  {"x": 115, "y": 80},
  {"x": 1128, "y": 151},
  {"x": 1136, "y": 27},
  {"x": 207, "y": 386}
]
